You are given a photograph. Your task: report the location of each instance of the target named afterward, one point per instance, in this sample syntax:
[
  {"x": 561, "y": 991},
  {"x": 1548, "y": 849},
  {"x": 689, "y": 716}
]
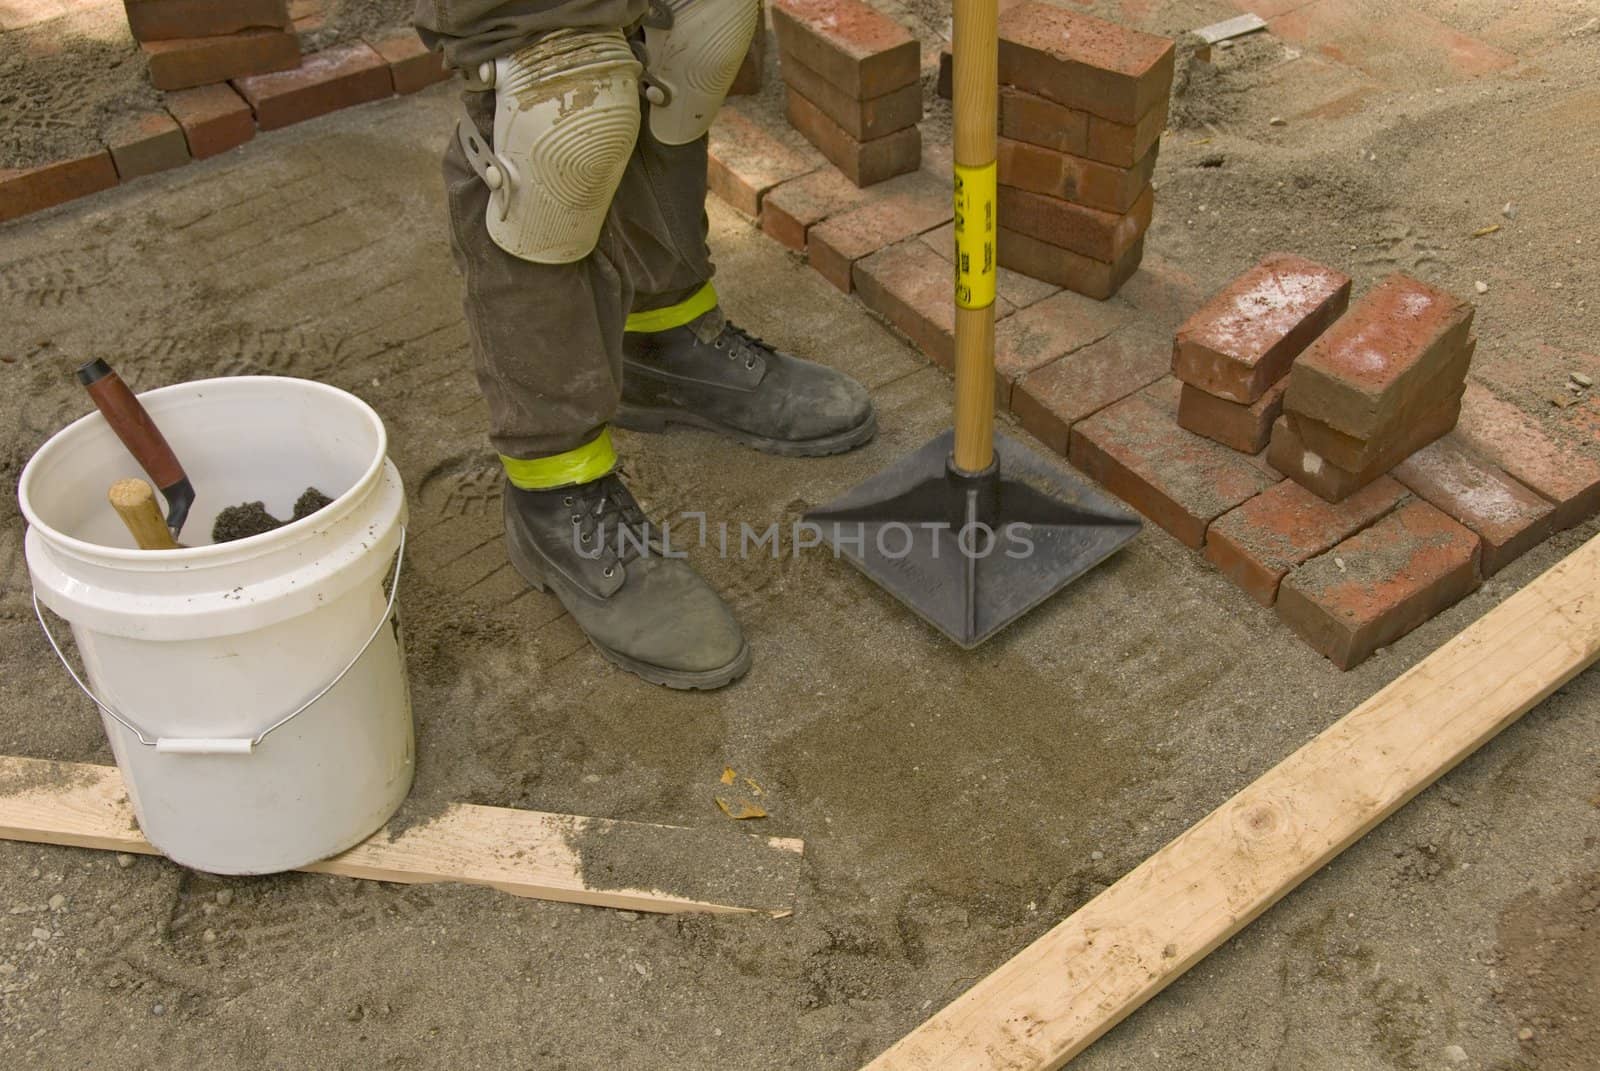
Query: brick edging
[{"x": 200, "y": 122}]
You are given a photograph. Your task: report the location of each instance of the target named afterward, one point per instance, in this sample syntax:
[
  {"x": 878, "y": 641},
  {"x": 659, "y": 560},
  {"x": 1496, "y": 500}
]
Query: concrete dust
[{"x": 955, "y": 805}]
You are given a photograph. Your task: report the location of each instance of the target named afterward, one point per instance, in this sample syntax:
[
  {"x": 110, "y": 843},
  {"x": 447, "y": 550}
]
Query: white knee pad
[
  {"x": 565, "y": 122},
  {"x": 691, "y": 64}
]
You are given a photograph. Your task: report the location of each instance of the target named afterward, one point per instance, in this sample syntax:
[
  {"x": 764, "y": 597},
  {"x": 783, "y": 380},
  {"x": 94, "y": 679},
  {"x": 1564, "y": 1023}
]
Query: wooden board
[
  {"x": 526, "y": 853},
  {"x": 1053, "y": 999}
]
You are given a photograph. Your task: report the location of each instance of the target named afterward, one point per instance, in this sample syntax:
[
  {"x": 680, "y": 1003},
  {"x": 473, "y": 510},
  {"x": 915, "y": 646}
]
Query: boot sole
[
  {"x": 648, "y": 419},
  {"x": 524, "y": 561}
]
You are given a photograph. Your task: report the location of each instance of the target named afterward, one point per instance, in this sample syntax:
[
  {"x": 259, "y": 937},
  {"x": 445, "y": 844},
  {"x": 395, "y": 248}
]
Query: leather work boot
[
  {"x": 710, "y": 374},
  {"x": 651, "y": 615}
]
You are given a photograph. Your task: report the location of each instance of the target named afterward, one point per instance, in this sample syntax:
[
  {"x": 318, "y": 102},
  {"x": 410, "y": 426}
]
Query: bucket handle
[{"x": 240, "y": 745}]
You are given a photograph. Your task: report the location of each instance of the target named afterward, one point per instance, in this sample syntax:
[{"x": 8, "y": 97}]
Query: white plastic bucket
[{"x": 208, "y": 662}]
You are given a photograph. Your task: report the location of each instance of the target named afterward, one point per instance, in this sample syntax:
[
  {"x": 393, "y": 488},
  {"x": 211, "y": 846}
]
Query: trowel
[{"x": 143, "y": 439}]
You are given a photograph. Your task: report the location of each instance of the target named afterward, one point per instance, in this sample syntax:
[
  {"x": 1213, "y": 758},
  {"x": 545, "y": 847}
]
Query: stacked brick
[
  {"x": 1082, "y": 105},
  {"x": 852, "y": 80},
  {"x": 1233, "y": 355},
  {"x": 192, "y": 43},
  {"x": 1382, "y": 383}
]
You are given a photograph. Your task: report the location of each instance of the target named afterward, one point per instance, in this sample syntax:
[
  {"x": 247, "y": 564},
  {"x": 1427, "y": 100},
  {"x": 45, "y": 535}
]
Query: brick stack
[
  {"x": 853, "y": 83},
  {"x": 1082, "y": 106},
  {"x": 1234, "y": 354},
  {"x": 1380, "y": 384},
  {"x": 199, "y": 42}
]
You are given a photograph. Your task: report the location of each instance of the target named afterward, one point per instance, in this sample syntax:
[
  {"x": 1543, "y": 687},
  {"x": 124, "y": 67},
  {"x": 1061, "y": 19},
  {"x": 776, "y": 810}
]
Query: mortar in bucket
[{"x": 254, "y": 692}]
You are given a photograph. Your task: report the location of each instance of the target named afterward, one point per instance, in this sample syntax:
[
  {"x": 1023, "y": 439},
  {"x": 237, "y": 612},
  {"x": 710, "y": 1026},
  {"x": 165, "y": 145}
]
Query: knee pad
[
  {"x": 691, "y": 64},
  {"x": 565, "y": 122}
]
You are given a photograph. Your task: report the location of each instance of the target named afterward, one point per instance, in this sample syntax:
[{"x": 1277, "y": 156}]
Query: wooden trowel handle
[{"x": 131, "y": 423}]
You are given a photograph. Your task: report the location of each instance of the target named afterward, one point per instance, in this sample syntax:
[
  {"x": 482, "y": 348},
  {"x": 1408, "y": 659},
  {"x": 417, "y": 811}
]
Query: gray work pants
[{"x": 547, "y": 338}]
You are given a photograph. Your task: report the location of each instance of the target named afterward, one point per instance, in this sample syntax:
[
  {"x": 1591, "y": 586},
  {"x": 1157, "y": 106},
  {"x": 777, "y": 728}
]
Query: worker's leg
[
  {"x": 546, "y": 317},
  {"x": 683, "y": 361}
]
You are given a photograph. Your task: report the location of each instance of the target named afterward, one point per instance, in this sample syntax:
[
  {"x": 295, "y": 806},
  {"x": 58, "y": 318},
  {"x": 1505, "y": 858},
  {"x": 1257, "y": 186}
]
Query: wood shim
[
  {"x": 1054, "y": 998},
  {"x": 525, "y": 853}
]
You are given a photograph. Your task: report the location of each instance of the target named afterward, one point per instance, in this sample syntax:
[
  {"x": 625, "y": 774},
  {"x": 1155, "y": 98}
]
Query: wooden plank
[
  {"x": 1053, "y": 999},
  {"x": 1227, "y": 29},
  {"x": 526, "y": 853}
]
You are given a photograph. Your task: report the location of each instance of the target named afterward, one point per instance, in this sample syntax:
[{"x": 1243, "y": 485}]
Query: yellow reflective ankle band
[
  {"x": 690, "y": 308},
  {"x": 588, "y": 462}
]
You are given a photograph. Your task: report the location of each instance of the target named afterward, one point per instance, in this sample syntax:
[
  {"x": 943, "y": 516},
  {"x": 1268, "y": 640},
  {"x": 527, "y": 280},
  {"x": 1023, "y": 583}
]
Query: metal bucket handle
[{"x": 241, "y": 745}]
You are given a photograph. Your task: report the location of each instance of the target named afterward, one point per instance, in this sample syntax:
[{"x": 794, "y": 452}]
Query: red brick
[
  {"x": 1246, "y": 428},
  {"x": 861, "y": 51},
  {"x": 1030, "y": 118},
  {"x": 790, "y": 210},
  {"x": 1506, "y": 516},
  {"x": 199, "y": 61},
  {"x": 1073, "y": 178},
  {"x": 146, "y": 143},
  {"x": 1381, "y": 583},
  {"x": 1374, "y": 360},
  {"x": 1104, "y": 236},
  {"x": 1054, "y": 328},
  {"x": 1121, "y": 144},
  {"x": 1015, "y": 289},
  {"x": 1256, "y": 544},
  {"x": 1069, "y": 389},
  {"x": 327, "y": 81},
  {"x": 1543, "y": 458},
  {"x": 412, "y": 65},
  {"x": 1179, "y": 480},
  {"x": 1243, "y": 340},
  {"x": 866, "y": 163},
  {"x": 915, "y": 203},
  {"x": 1084, "y": 62},
  {"x": 752, "y": 73},
  {"x": 214, "y": 119},
  {"x": 1350, "y": 452},
  {"x": 909, "y": 285},
  {"x": 167, "y": 20},
  {"x": 1290, "y": 456},
  {"x": 27, "y": 190},
  {"x": 745, "y": 160},
  {"x": 861, "y": 119},
  {"x": 1064, "y": 268}
]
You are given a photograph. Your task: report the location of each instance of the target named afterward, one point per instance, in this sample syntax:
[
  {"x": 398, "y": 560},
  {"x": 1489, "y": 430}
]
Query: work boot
[
  {"x": 710, "y": 374},
  {"x": 651, "y": 615}
]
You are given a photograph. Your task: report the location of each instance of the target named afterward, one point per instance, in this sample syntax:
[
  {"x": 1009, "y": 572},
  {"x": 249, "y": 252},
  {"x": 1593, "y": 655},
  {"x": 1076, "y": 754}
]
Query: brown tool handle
[
  {"x": 976, "y": 98},
  {"x": 131, "y": 423},
  {"x": 135, "y": 503}
]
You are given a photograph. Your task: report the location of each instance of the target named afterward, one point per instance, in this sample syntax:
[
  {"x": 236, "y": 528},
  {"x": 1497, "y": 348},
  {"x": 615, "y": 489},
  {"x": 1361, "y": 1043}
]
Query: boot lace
[
  {"x": 741, "y": 344},
  {"x": 608, "y": 521}
]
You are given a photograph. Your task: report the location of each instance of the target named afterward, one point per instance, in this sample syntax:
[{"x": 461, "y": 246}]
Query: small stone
[
  {"x": 1563, "y": 401},
  {"x": 224, "y": 897},
  {"x": 1581, "y": 380},
  {"x": 639, "y": 969},
  {"x": 1277, "y": 120},
  {"x": 1455, "y": 1054},
  {"x": 591, "y": 779},
  {"x": 1212, "y": 159},
  {"x": 7, "y": 970},
  {"x": 1509, "y": 211},
  {"x": 628, "y": 916},
  {"x": 1481, "y": 287},
  {"x": 41, "y": 934},
  {"x": 124, "y": 860},
  {"x": 1097, "y": 855},
  {"x": 57, "y": 902},
  {"x": 158, "y": 1009},
  {"x": 1525, "y": 1034},
  {"x": 209, "y": 937}
]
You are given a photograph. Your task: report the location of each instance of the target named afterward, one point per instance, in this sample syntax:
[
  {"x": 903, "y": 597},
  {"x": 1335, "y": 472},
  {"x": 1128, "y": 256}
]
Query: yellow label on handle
[{"x": 975, "y": 226}]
